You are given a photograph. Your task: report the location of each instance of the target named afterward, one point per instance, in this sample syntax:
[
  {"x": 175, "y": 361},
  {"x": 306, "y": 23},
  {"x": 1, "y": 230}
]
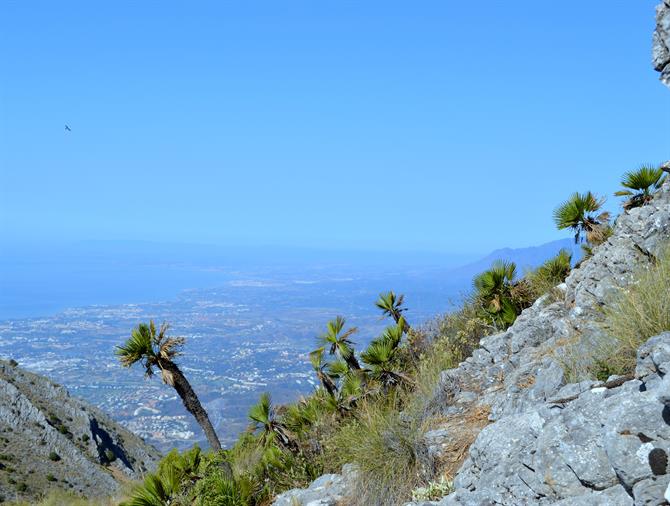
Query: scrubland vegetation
[{"x": 370, "y": 406}]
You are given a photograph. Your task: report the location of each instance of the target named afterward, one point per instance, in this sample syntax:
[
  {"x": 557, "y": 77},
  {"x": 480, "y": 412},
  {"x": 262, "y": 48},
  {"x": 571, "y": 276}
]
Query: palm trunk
[
  {"x": 327, "y": 383},
  {"x": 193, "y": 406},
  {"x": 396, "y": 317},
  {"x": 352, "y": 362}
]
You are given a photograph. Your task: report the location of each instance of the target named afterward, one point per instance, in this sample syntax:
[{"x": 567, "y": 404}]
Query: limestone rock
[
  {"x": 661, "y": 42},
  {"x": 46, "y": 435}
]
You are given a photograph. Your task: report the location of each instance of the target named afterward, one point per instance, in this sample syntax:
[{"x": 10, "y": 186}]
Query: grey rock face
[
  {"x": 51, "y": 440},
  {"x": 661, "y": 42},
  {"x": 546, "y": 441},
  {"x": 579, "y": 443},
  {"x": 327, "y": 490}
]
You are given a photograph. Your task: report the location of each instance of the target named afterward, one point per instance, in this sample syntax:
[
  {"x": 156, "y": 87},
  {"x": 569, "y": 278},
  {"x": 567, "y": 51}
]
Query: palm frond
[
  {"x": 644, "y": 178},
  {"x": 261, "y": 412},
  {"x": 137, "y": 347},
  {"x": 316, "y": 358},
  {"x": 380, "y": 351},
  {"x": 337, "y": 368}
]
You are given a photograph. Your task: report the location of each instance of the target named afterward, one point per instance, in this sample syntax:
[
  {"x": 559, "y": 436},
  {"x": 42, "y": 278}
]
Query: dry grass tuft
[
  {"x": 465, "y": 427},
  {"x": 527, "y": 382}
]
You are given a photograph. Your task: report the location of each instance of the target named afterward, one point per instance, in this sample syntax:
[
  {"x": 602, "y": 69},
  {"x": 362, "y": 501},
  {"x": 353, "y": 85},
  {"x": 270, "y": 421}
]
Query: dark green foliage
[
  {"x": 336, "y": 339},
  {"x": 551, "y": 273},
  {"x": 640, "y": 185},
  {"x": 51, "y": 477},
  {"x": 577, "y": 213},
  {"x": 53, "y": 456},
  {"x": 391, "y": 305},
  {"x": 382, "y": 356},
  {"x": 270, "y": 429},
  {"x": 500, "y": 296},
  {"x": 357, "y": 404}
]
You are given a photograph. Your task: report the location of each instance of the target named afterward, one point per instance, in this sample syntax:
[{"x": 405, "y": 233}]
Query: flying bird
[{"x": 68, "y": 129}]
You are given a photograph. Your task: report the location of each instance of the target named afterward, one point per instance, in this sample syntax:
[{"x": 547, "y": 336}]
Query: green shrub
[
  {"x": 550, "y": 274},
  {"x": 191, "y": 478},
  {"x": 54, "y": 456},
  {"x": 110, "y": 456},
  {"x": 51, "y": 477}
]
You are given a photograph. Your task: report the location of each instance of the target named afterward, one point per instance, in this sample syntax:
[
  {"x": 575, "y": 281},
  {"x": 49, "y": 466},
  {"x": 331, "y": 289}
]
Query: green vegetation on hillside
[
  {"x": 640, "y": 185},
  {"x": 370, "y": 406}
]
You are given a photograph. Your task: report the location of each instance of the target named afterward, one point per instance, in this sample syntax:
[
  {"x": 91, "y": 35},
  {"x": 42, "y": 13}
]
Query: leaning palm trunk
[
  {"x": 327, "y": 383},
  {"x": 352, "y": 361},
  {"x": 192, "y": 404},
  {"x": 397, "y": 316}
]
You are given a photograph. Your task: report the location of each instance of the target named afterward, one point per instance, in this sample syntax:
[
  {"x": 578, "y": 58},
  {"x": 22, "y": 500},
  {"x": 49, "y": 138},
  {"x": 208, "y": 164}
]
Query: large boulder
[{"x": 661, "y": 42}]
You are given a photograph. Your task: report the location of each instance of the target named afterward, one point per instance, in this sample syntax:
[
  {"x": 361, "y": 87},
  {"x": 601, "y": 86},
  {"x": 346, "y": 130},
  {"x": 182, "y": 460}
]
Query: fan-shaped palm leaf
[
  {"x": 391, "y": 305},
  {"x": 501, "y": 298},
  {"x": 576, "y": 214},
  {"x": 338, "y": 341},
  {"x": 643, "y": 180},
  {"x": 260, "y": 412}
]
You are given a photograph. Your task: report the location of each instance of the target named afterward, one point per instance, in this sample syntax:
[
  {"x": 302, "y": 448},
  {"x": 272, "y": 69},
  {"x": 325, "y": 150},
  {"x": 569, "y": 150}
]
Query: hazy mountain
[{"x": 524, "y": 258}]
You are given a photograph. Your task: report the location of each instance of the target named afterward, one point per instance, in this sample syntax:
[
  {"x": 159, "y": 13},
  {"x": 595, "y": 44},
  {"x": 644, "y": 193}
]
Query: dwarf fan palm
[
  {"x": 154, "y": 349},
  {"x": 551, "y": 273},
  {"x": 576, "y": 213},
  {"x": 157, "y": 490},
  {"x": 381, "y": 356},
  {"x": 265, "y": 419},
  {"x": 392, "y": 306},
  {"x": 339, "y": 341},
  {"x": 320, "y": 366},
  {"x": 643, "y": 181},
  {"x": 301, "y": 415},
  {"x": 496, "y": 291}
]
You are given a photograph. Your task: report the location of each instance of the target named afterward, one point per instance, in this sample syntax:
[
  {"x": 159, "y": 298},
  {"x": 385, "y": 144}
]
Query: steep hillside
[
  {"x": 541, "y": 432},
  {"x": 51, "y": 440},
  {"x": 523, "y": 421}
]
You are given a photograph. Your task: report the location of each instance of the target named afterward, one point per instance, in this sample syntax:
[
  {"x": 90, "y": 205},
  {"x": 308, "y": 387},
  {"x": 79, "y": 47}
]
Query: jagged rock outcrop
[
  {"x": 661, "y": 48},
  {"x": 544, "y": 440},
  {"x": 51, "y": 440},
  {"x": 580, "y": 443},
  {"x": 327, "y": 490},
  {"x": 539, "y": 439}
]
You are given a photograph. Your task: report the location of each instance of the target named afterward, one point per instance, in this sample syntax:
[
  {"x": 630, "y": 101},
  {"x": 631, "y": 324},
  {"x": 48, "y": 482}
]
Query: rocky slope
[
  {"x": 661, "y": 50},
  {"x": 537, "y": 438},
  {"x": 51, "y": 440}
]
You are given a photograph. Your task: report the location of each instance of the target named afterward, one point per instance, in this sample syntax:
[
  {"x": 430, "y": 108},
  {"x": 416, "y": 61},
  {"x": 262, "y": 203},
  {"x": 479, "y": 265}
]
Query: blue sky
[{"x": 434, "y": 126}]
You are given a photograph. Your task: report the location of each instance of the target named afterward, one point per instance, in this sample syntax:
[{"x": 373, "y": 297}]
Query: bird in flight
[{"x": 68, "y": 129}]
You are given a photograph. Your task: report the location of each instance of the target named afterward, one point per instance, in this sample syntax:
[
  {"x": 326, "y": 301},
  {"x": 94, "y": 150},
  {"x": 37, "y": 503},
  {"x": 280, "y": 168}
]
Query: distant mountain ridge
[
  {"x": 525, "y": 258},
  {"x": 51, "y": 440}
]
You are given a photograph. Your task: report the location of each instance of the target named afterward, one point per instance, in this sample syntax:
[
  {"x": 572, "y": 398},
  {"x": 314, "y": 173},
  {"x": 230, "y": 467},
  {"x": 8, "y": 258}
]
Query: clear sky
[{"x": 431, "y": 125}]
